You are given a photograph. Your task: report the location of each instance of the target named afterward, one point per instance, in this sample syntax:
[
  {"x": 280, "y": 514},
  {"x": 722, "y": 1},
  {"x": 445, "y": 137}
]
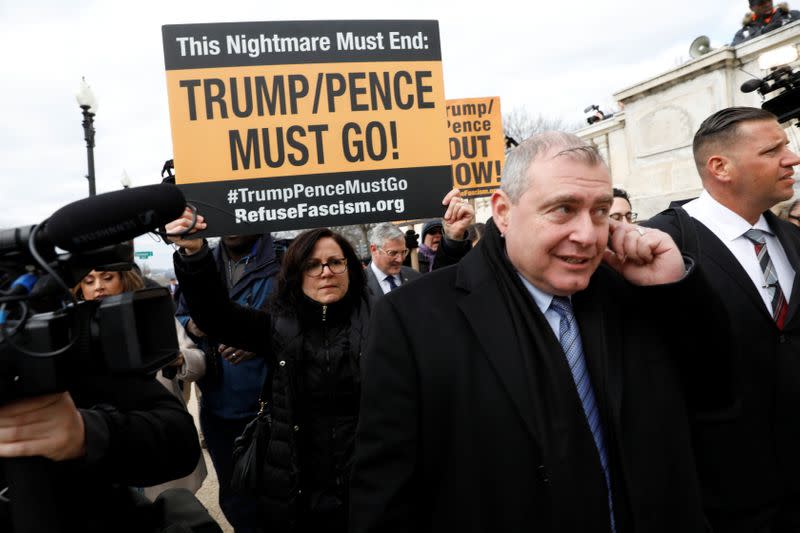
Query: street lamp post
[{"x": 88, "y": 104}]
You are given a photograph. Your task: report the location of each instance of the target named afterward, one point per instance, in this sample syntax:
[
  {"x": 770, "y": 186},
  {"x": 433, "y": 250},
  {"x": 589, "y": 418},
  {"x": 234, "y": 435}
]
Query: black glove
[
  {"x": 412, "y": 239},
  {"x": 168, "y": 172}
]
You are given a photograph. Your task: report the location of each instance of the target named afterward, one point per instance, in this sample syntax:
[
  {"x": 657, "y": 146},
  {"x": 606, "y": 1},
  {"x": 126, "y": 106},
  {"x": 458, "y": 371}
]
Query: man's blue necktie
[
  {"x": 570, "y": 339},
  {"x": 392, "y": 284}
]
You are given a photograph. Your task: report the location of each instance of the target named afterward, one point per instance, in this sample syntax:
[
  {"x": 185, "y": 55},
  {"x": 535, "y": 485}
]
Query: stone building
[{"x": 648, "y": 144}]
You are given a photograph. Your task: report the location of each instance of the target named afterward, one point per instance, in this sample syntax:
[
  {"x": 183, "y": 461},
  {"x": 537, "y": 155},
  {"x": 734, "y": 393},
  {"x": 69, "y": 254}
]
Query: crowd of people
[
  {"x": 559, "y": 368},
  {"x": 572, "y": 356},
  {"x": 310, "y": 336}
]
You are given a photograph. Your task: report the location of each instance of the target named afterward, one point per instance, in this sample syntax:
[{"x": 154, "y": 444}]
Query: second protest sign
[{"x": 477, "y": 144}]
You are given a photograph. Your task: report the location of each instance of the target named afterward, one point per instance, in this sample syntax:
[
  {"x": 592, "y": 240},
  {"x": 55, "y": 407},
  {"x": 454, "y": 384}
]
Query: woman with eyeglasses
[{"x": 313, "y": 331}]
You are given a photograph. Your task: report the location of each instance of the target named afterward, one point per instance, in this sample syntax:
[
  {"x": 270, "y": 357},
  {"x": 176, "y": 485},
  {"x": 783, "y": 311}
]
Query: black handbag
[{"x": 250, "y": 447}]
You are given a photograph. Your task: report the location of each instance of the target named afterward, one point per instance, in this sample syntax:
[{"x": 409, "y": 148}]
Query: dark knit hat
[
  {"x": 428, "y": 226},
  {"x": 756, "y": 2},
  {"x": 117, "y": 267}
]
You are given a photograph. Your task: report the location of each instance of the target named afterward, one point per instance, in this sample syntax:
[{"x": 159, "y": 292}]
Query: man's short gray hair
[
  {"x": 516, "y": 180},
  {"x": 386, "y": 231}
]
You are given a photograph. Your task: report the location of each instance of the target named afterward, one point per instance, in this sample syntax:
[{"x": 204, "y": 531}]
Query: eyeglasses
[
  {"x": 336, "y": 266},
  {"x": 395, "y": 253},
  {"x": 630, "y": 217}
]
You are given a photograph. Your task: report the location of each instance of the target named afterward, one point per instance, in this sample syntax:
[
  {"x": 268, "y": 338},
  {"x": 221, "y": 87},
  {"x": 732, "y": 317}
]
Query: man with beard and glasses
[
  {"x": 622, "y": 207},
  {"x": 234, "y": 377}
]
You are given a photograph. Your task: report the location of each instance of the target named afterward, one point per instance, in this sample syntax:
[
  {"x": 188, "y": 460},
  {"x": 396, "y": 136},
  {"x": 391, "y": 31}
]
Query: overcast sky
[{"x": 554, "y": 58}]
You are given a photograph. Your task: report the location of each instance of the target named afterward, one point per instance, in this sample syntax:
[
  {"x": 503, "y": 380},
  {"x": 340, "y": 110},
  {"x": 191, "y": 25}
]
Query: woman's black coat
[{"x": 314, "y": 367}]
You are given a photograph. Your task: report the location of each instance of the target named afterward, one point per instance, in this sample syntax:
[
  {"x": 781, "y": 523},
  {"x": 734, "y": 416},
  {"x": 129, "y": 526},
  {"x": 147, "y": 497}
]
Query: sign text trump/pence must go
[{"x": 288, "y": 125}]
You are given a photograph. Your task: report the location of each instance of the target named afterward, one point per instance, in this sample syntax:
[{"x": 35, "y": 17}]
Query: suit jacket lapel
[
  {"x": 482, "y": 307},
  {"x": 372, "y": 282},
  {"x": 789, "y": 241},
  {"x": 714, "y": 251}
]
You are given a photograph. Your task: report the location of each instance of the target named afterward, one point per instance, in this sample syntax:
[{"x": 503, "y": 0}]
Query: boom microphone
[
  {"x": 101, "y": 220},
  {"x": 114, "y": 217},
  {"x": 751, "y": 85}
]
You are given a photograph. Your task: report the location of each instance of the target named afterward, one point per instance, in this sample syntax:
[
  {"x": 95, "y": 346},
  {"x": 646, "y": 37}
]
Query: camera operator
[
  {"x": 82, "y": 417},
  {"x": 188, "y": 366},
  {"x": 105, "y": 434},
  {"x": 763, "y": 18}
]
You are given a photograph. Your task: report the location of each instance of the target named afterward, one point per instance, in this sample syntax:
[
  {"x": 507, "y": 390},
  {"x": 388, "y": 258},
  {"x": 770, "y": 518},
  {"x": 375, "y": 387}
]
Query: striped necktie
[
  {"x": 570, "y": 339},
  {"x": 779, "y": 305},
  {"x": 392, "y": 284}
]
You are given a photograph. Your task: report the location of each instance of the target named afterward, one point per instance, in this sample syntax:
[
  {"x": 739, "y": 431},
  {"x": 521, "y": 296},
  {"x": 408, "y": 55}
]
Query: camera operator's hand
[
  {"x": 178, "y": 361},
  {"x": 192, "y": 328},
  {"x": 182, "y": 224},
  {"x": 235, "y": 355},
  {"x": 48, "y": 426},
  {"x": 458, "y": 216}
]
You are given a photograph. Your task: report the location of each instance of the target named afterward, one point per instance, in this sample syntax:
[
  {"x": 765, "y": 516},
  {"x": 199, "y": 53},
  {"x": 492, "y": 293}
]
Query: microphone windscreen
[
  {"x": 751, "y": 85},
  {"x": 114, "y": 217}
]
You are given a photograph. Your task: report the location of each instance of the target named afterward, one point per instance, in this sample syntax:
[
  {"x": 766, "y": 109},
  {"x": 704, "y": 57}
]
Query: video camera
[
  {"x": 46, "y": 336},
  {"x": 597, "y": 114},
  {"x": 785, "y": 78}
]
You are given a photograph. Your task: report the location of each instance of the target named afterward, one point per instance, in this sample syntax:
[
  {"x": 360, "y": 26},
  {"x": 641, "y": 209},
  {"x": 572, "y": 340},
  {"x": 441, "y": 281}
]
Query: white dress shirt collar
[
  {"x": 729, "y": 228},
  {"x": 543, "y": 301},
  {"x": 381, "y": 276},
  {"x": 723, "y": 222}
]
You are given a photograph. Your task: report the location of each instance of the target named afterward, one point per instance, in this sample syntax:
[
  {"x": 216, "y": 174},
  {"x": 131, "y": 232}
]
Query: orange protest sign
[
  {"x": 287, "y": 125},
  {"x": 477, "y": 144}
]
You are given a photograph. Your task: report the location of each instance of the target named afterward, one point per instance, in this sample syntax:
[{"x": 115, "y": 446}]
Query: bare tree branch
[
  {"x": 358, "y": 235},
  {"x": 520, "y": 123}
]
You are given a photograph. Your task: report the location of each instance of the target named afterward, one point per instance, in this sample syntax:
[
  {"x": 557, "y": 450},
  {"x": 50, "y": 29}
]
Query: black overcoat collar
[{"x": 482, "y": 305}]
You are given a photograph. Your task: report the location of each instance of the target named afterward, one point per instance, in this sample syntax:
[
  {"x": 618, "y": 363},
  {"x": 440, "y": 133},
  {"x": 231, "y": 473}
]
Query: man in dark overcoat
[{"x": 541, "y": 387}]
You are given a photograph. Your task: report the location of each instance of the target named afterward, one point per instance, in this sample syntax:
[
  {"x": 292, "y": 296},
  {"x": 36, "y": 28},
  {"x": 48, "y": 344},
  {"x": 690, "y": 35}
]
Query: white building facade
[{"x": 648, "y": 145}]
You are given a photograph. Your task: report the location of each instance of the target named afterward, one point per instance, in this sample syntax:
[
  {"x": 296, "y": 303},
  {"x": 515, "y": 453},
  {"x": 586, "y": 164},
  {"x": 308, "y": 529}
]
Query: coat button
[
  {"x": 297, "y": 428},
  {"x": 282, "y": 363},
  {"x": 782, "y": 339}
]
